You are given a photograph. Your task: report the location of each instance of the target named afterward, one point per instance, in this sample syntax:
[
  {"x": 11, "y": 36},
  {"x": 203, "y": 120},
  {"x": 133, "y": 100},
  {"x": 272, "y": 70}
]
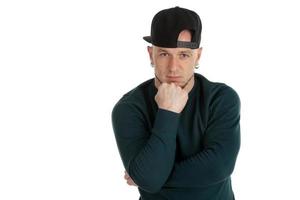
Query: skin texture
[
  {"x": 174, "y": 76},
  {"x": 175, "y": 62}
]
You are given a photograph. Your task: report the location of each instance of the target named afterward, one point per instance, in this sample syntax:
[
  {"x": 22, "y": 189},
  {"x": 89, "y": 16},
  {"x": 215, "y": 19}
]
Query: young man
[{"x": 178, "y": 134}]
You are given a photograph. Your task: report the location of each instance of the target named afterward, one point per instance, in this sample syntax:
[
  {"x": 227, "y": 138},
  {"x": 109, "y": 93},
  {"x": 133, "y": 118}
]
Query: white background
[{"x": 64, "y": 64}]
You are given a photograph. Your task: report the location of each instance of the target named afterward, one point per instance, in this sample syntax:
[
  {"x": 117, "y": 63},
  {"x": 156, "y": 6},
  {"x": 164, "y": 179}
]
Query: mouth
[{"x": 174, "y": 78}]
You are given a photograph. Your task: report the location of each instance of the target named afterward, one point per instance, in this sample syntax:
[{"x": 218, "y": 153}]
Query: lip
[{"x": 173, "y": 78}]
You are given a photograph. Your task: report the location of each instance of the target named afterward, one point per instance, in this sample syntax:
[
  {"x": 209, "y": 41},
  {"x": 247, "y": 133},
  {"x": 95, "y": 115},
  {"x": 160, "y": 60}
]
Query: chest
[{"x": 191, "y": 132}]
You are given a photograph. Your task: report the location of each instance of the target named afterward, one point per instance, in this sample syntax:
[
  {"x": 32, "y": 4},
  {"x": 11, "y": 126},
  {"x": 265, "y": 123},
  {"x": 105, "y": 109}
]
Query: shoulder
[
  {"x": 137, "y": 93},
  {"x": 217, "y": 93},
  {"x": 135, "y": 99}
]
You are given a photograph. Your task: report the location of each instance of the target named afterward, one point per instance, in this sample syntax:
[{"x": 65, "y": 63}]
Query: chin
[{"x": 177, "y": 83}]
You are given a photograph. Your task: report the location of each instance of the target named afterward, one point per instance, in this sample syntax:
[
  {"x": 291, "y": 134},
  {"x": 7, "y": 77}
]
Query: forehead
[{"x": 172, "y": 50}]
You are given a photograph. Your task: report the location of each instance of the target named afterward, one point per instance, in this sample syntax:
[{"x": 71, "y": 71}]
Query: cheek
[
  {"x": 188, "y": 64},
  {"x": 192, "y": 61},
  {"x": 161, "y": 65},
  {"x": 159, "y": 69},
  {"x": 161, "y": 61},
  {"x": 189, "y": 69}
]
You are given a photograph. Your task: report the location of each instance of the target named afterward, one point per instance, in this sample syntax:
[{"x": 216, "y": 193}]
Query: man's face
[{"x": 174, "y": 64}]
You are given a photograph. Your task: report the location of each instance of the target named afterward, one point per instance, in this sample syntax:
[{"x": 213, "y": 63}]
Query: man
[{"x": 178, "y": 134}]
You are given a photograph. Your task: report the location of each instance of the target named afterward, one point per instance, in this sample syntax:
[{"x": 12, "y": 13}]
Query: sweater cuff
[{"x": 166, "y": 124}]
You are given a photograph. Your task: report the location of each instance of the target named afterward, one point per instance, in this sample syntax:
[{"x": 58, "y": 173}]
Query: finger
[
  {"x": 126, "y": 176},
  {"x": 130, "y": 182}
]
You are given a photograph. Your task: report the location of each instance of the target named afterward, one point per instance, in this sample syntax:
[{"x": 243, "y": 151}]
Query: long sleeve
[
  {"x": 216, "y": 161},
  {"x": 148, "y": 153}
]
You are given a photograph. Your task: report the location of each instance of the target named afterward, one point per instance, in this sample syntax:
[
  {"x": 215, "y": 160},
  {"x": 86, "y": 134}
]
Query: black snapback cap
[{"x": 168, "y": 23}]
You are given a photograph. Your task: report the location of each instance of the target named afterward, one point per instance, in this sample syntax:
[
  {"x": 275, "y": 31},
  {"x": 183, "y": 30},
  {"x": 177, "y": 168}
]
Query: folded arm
[
  {"x": 148, "y": 154},
  {"x": 221, "y": 145}
]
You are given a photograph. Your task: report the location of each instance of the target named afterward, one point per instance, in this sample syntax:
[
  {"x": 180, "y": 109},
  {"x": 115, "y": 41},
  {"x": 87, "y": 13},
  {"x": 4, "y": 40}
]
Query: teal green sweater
[{"x": 186, "y": 156}]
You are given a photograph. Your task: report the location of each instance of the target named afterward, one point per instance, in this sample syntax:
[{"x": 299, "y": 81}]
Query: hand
[
  {"x": 171, "y": 97},
  {"x": 129, "y": 180}
]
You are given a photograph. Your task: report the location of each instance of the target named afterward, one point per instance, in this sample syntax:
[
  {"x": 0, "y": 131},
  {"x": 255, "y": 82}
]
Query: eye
[
  {"x": 184, "y": 55},
  {"x": 163, "y": 54}
]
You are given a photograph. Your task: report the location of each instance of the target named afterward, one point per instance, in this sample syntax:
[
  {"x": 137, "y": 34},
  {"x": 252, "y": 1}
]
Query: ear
[
  {"x": 150, "y": 52},
  {"x": 199, "y": 52}
]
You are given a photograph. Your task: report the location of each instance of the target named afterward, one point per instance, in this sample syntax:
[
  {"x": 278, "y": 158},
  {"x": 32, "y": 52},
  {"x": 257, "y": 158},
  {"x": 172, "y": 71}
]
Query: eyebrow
[
  {"x": 163, "y": 50},
  {"x": 185, "y": 51}
]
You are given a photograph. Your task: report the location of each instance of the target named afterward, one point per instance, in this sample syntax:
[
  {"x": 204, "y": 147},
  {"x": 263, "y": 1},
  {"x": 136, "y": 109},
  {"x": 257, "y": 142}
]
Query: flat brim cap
[
  {"x": 167, "y": 24},
  {"x": 148, "y": 39}
]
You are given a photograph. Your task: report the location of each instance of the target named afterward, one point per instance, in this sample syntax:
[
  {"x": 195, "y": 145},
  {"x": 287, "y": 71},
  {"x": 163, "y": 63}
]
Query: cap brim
[{"x": 148, "y": 39}]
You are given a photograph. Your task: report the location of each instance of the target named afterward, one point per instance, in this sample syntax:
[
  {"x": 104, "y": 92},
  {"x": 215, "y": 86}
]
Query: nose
[{"x": 173, "y": 64}]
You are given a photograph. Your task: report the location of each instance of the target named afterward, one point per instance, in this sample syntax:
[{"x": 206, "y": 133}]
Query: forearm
[
  {"x": 221, "y": 144},
  {"x": 208, "y": 167},
  {"x": 153, "y": 164},
  {"x": 148, "y": 157}
]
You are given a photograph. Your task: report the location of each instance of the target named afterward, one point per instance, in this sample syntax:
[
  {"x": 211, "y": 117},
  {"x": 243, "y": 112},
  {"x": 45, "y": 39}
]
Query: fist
[
  {"x": 129, "y": 180},
  {"x": 171, "y": 97}
]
